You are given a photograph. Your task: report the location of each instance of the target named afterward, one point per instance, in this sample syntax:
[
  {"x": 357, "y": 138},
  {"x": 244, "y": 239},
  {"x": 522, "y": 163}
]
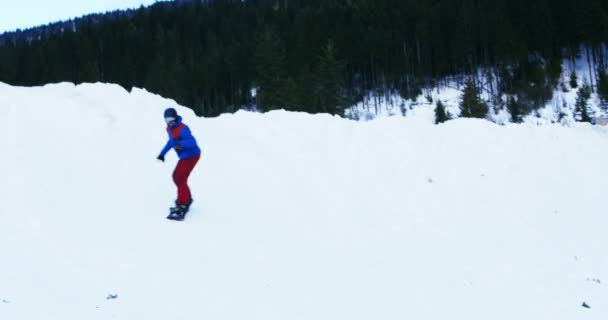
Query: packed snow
[{"x": 296, "y": 216}]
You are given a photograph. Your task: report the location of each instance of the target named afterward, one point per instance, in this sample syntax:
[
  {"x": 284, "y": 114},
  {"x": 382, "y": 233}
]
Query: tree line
[{"x": 318, "y": 55}]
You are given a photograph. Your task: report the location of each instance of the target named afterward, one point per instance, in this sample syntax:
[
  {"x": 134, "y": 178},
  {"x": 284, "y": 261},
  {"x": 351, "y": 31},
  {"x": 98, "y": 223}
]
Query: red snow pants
[{"x": 180, "y": 177}]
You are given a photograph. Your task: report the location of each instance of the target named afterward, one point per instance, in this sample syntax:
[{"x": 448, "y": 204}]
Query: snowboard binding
[{"x": 179, "y": 212}]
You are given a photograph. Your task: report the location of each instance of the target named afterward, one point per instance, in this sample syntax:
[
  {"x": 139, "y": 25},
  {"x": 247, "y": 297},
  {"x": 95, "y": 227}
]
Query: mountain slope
[{"x": 295, "y": 216}]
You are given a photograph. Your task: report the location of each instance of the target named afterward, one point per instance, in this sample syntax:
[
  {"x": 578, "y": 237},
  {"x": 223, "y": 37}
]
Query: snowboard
[{"x": 176, "y": 215}]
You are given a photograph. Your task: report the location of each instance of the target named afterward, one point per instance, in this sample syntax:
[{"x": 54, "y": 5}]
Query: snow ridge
[{"x": 296, "y": 216}]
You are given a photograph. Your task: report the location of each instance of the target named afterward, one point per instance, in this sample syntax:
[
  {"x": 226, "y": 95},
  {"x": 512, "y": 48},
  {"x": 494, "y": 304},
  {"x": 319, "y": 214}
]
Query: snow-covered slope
[
  {"x": 295, "y": 216},
  {"x": 559, "y": 109}
]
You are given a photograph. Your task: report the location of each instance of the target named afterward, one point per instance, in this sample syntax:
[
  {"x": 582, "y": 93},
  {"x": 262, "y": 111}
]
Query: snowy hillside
[
  {"x": 295, "y": 216},
  {"x": 559, "y": 109}
]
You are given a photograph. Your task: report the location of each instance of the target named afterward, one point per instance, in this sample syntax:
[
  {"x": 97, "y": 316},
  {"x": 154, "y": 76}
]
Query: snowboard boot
[
  {"x": 178, "y": 212},
  {"x": 185, "y": 205}
]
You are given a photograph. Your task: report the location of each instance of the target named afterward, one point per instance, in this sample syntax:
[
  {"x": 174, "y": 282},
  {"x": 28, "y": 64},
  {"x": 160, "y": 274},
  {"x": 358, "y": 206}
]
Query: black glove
[{"x": 161, "y": 158}]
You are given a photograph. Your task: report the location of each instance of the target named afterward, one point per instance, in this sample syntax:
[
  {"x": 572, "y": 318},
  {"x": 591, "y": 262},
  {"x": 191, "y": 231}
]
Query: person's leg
[{"x": 180, "y": 177}]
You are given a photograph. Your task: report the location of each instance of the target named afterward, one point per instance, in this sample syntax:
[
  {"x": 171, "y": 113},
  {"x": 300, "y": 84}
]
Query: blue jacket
[{"x": 180, "y": 135}]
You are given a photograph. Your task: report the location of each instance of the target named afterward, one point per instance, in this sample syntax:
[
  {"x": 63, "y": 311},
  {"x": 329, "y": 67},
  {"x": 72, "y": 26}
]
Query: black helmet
[{"x": 171, "y": 113}]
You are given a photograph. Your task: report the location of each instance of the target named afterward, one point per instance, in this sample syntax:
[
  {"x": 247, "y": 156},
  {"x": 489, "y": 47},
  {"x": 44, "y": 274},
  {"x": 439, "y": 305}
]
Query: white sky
[{"x": 23, "y": 14}]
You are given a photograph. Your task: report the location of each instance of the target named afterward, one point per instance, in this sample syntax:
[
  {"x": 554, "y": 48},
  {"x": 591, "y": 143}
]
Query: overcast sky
[{"x": 23, "y": 14}]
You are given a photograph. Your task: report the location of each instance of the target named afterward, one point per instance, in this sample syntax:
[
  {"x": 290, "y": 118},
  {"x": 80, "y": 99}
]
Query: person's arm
[{"x": 166, "y": 149}]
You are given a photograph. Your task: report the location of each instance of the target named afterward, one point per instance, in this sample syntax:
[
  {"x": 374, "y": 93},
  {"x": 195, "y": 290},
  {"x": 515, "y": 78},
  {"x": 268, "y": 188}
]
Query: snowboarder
[{"x": 180, "y": 139}]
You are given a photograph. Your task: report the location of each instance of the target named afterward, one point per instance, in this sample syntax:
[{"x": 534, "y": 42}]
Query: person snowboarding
[{"x": 184, "y": 144}]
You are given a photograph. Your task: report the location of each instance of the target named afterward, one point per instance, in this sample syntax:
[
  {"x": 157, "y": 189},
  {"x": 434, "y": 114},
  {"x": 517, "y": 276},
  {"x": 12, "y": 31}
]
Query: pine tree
[
  {"x": 554, "y": 71},
  {"x": 293, "y": 100},
  {"x": 573, "y": 80},
  {"x": 535, "y": 87},
  {"x": 440, "y": 113},
  {"x": 470, "y": 104},
  {"x": 270, "y": 66},
  {"x": 582, "y": 97},
  {"x": 515, "y": 110},
  {"x": 602, "y": 87},
  {"x": 330, "y": 75}
]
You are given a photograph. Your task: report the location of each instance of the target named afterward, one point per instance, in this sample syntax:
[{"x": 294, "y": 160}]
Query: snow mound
[{"x": 295, "y": 216}]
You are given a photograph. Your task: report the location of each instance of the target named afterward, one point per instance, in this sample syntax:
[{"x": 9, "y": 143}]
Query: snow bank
[{"x": 295, "y": 216}]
